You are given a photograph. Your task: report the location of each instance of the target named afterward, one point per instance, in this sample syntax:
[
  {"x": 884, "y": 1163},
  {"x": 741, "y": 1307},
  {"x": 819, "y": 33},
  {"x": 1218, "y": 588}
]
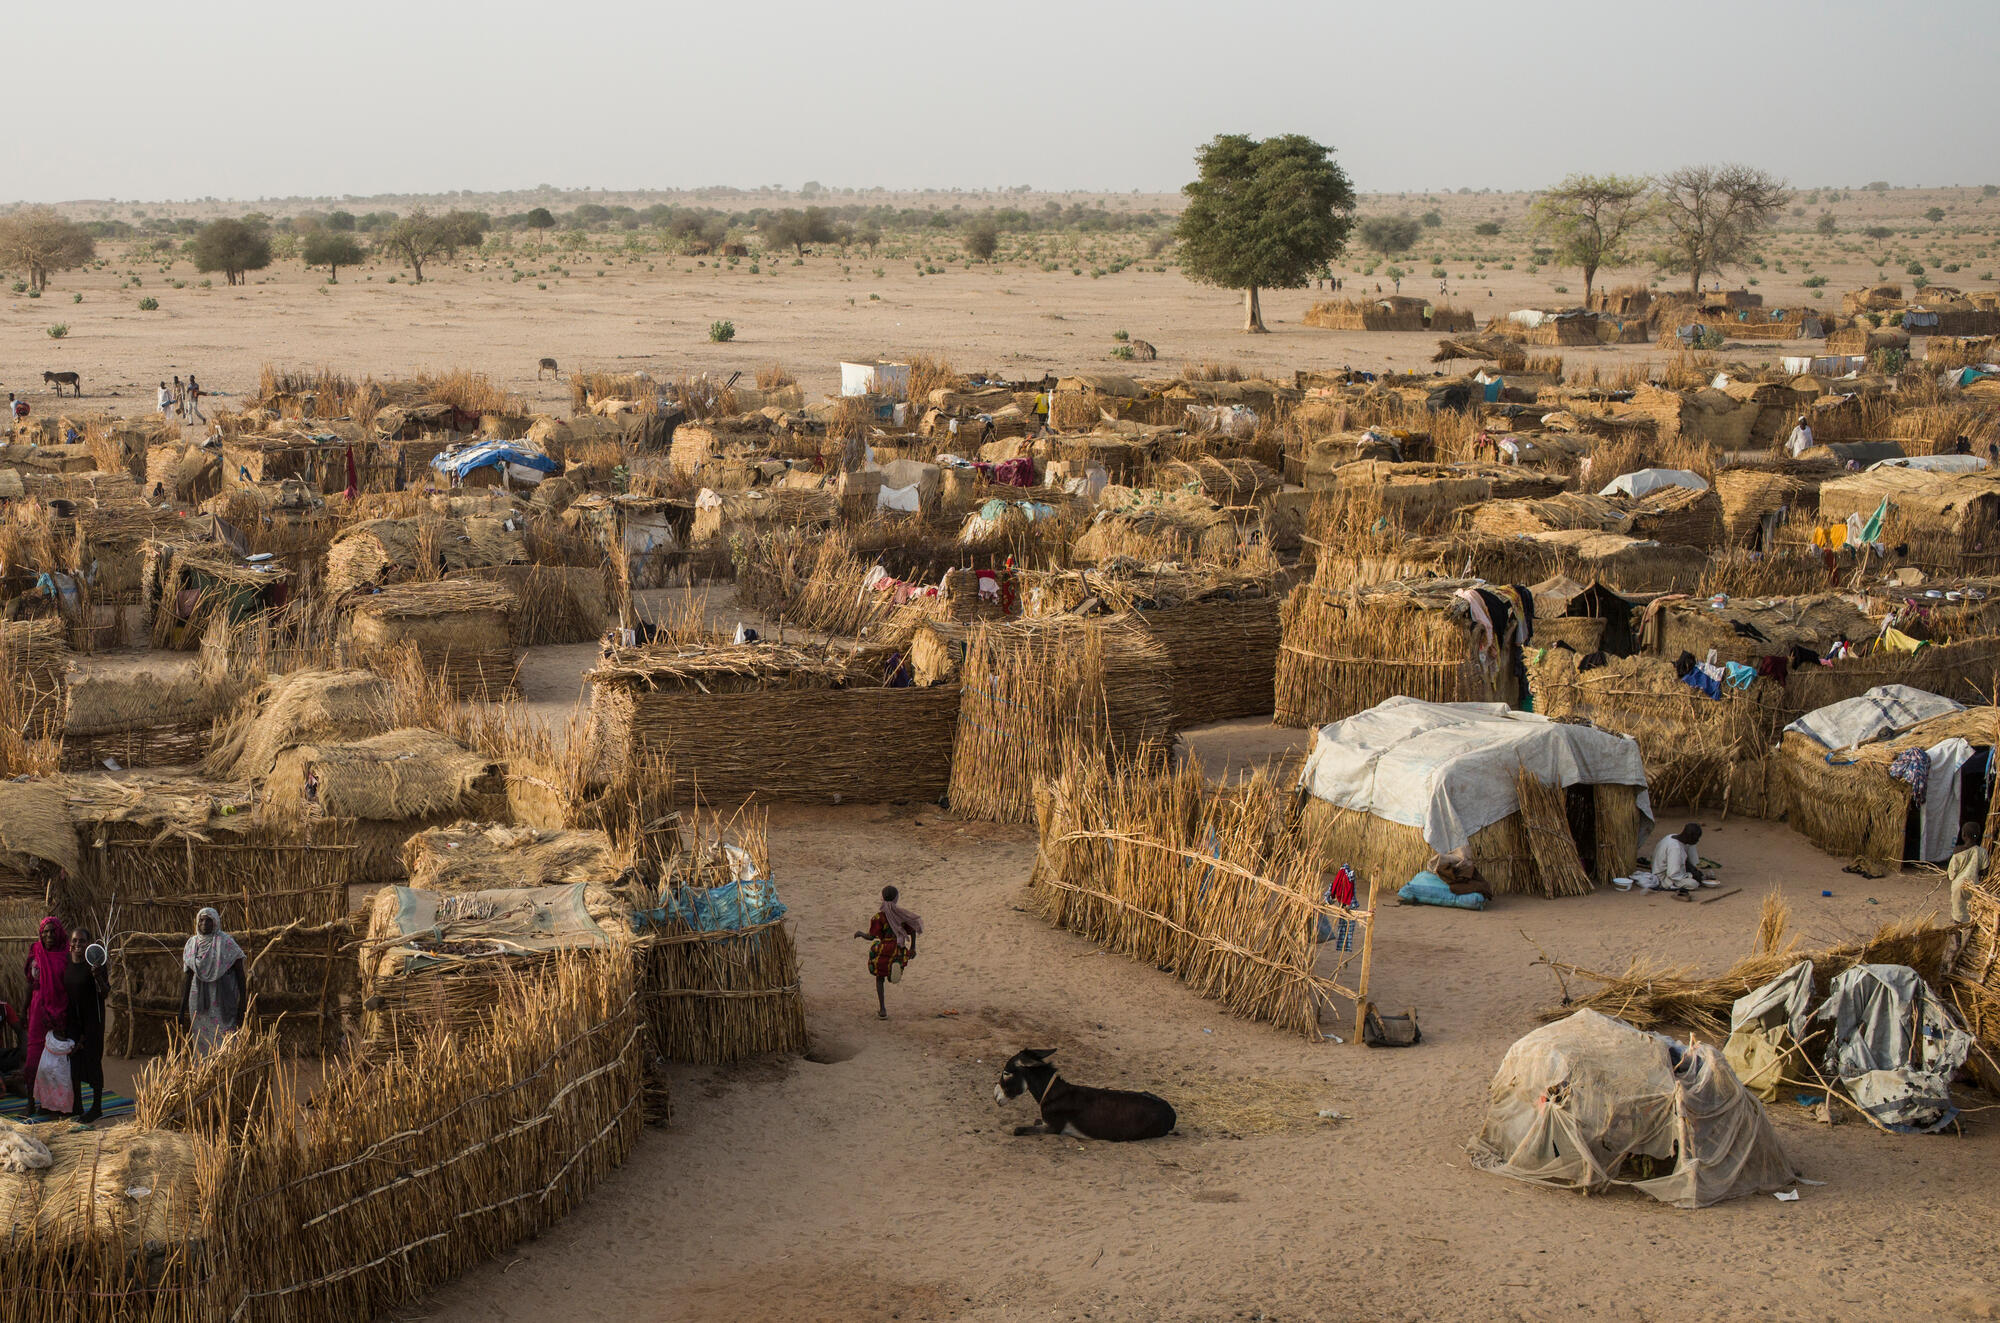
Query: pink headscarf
[
  {"x": 901, "y": 922},
  {"x": 51, "y": 997}
]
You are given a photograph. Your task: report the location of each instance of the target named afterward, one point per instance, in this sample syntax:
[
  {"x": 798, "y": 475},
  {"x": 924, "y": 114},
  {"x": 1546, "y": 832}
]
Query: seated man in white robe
[{"x": 1675, "y": 861}]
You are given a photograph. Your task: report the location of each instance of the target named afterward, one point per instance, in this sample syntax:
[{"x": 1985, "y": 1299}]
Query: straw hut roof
[
  {"x": 387, "y": 549},
  {"x": 1568, "y": 510},
  {"x": 35, "y": 828},
  {"x": 476, "y": 856},
  {"x": 1748, "y": 629},
  {"x": 1916, "y": 493},
  {"x": 393, "y": 777},
  {"x": 167, "y": 803},
  {"x": 299, "y": 708},
  {"x": 729, "y": 668},
  {"x": 125, "y": 699},
  {"x": 432, "y": 599},
  {"x": 117, "y": 1190}
]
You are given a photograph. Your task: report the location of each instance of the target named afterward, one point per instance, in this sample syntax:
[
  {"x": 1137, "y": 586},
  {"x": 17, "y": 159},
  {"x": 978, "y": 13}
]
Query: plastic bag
[{"x": 53, "y": 1089}]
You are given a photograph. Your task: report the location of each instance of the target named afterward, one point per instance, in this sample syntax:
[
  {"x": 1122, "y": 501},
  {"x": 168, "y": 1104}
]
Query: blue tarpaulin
[
  {"x": 729, "y": 908},
  {"x": 461, "y": 460}
]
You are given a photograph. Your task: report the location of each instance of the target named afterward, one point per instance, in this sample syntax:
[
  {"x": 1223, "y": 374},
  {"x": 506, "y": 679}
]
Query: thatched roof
[
  {"x": 435, "y": 598},
  {"x": 393, "y": 777},
  {"x": 35, "y": 828},
  {"x": 131, "y": 698},
  {"x": 170, "y": 803},
  {"x": 729, "y": 667},
  {"x": 296, "y": 709},
  {"x": 475, "y": 856}
]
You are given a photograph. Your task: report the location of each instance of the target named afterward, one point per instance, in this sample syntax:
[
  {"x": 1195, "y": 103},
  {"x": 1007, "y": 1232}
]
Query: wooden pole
[{"x": 1367, "y": 957}]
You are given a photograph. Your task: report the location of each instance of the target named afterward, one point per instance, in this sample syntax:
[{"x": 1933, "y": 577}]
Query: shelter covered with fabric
[
  {"x": 1389, "y": 787},
  {"x": 1589, "y": 1103}
]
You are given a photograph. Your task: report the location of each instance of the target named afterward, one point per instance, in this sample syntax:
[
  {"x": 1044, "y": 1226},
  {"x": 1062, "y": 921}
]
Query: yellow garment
[
  {"x": 1830, "y": 537},
  {"x": 1895, "y": 640}
]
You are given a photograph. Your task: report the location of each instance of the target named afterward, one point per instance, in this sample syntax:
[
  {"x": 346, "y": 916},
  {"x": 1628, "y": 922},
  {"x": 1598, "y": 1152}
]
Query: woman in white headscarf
[{"x": 212, "y": 990}]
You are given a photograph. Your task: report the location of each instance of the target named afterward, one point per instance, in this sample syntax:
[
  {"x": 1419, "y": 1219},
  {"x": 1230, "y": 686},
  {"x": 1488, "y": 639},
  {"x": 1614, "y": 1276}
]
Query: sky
[{"x": 220, "y": 98}]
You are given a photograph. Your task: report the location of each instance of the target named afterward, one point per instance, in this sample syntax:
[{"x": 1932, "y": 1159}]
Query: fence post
[{"x": 1367, "y": 957}]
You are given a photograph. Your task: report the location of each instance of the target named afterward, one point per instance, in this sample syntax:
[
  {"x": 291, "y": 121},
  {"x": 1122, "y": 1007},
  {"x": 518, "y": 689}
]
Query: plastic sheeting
[
  {"x": 1933, "y": 463},
  {"x": 731, "y": 907},
  {"x": 1584, "y": 1103},
  {"x": 1883, "y": 710},
  {"x": 1766, "y": 1026},
  {"x": 461, "y": 460},
  {"x": 1644, "y": 482},
  {"x": 1894, "y": 1046},
  {"x": 1449, "y": 768},
  {"x": 908, "y": 499}
]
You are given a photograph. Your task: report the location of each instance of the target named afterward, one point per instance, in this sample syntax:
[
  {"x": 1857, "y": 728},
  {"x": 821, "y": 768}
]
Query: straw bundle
[
  {"x": 33, "y": 668},
  {"x": 1197, "y": 880},
  {"x": 1034, "y": 688},
  {"x": 1154, "y": 526},
  {"x": 39, "y": 857},
  {"x": 471, "y": 856},
  {"x": 425, "y": 546},
  {"x": 461, "y": 628},
  {"x": 1545, "y": 819}
]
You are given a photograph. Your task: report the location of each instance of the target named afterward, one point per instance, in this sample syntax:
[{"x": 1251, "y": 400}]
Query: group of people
[
  {"x": 62, "y": 1032},
  {"x": 182, "y": 400}
]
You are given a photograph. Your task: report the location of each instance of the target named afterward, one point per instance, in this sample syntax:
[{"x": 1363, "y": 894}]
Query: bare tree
[
  {"x": 40, "y": 240},
  {"x": 1589, "y": 219},
  {"x": 1714, "y": 215}
]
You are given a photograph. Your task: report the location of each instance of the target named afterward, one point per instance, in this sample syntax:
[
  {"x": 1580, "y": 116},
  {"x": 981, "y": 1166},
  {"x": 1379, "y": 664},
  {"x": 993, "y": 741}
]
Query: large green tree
[
  {"x": 39, "y": 240},
  {"x": 1263, "y": 215},
  {"x": 1590, "y": 221},
  {"x": 231, "y": 247},
  {"x": 1391, "y": 236},
  {"x": 332, "y": 250},
  {"x": 1714, "y": 215}
]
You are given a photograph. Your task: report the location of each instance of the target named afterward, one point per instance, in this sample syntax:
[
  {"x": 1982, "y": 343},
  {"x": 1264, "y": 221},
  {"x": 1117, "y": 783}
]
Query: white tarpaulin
[
  {"x": 1645, "y": 482},
  {"x": 899, "y": 498},
  {"x": 1449, "y": 768},
  {"x": 1590, "y": 1102},
  {"x": 1932, "y": 463},
  {"x": 1883, "y": 710},
  {"x": 1939, "y": 831}
]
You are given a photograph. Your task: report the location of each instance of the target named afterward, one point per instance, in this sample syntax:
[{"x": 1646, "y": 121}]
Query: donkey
[
  {"x": 547, "y": 365},
  {"x": 1115, "y": 1115},
  {"x": 61, "y": 379}
]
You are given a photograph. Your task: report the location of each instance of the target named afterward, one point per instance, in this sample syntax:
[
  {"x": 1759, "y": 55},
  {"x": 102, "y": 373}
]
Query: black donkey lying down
[{"x": 1116, "y": 1115}]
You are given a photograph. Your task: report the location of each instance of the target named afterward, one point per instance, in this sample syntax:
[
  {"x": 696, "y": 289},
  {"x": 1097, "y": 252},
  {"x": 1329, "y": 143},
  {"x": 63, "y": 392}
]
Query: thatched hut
[
  {"x": 1848, "y": 780},
  {"x": 1698, "y": 749},
  {"x": 475, "y": 856},
  {"x": 1950, "y": 524},
  {"x": 461, "y": 628},
  {"x": 304, "y": 707},
  {"x": 1389, "y": 788},
  {"x": 719, "y": 516},
  {"x": 189, "y": 586},
  {"x": 426, "y": 546},
  {"x": 651, "y": 532},
  {"x": 436, "y": 961},
  {"x": 1150, "y": 525},
  {"x": 130, "y": 717},
  {"x": 385, "y": 788},
  {"x": 765, "y": 719},
  {"x": 1348, "y": 649},
  {"x": 284, "y": 518}
]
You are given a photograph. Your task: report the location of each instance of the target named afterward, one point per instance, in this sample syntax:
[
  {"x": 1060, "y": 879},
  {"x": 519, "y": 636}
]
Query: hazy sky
[{"x": 230, "y": 99}]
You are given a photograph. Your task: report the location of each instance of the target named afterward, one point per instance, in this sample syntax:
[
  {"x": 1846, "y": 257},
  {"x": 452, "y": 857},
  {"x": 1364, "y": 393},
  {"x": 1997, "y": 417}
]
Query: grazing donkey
[
  {"x": 61, "y": 379},
  {"x": 547, "y": 365},
  {"x": 1115, "y": 1115}
]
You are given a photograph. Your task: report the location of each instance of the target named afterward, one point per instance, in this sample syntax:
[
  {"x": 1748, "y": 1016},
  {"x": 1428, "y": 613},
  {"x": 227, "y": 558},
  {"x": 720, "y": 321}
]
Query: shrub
[
  {"x": 149, "y": 304},
  {"x": 34, "y": 293},
  {"x": 59, "y": 330},
  {"x": 721, "y": 332},
  {"x": 1562, "y": 289},
  {"x": 78, "y": 298},
  {"x": 1488, "y": 228},
  {"x": 1814, "y": 282},
  {"x": 1121, "y": 335},
  {"x": 1121, "y": 351}
]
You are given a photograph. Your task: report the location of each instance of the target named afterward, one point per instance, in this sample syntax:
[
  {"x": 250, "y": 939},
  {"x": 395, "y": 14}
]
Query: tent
[
  {"x": 1449, "y": 769},
  {"x": 514, "y": 458},
  {"x": 1589, "y": 1102}
]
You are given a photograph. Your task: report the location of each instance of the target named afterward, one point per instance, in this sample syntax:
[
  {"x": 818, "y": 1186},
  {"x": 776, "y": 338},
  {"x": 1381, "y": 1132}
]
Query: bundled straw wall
[
  {"x": 1197, "y": 880},
  {"x": 1344, "y": 652}
]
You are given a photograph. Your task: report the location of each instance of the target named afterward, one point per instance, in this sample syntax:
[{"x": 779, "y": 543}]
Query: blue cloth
[
  {"x": 1427, "y": 888},
  {"x": 1493, "y": 390},
  {"x": 461, "y": 460},
  {"x": 1702, "y": 683},
  {"x": 731, "y": 907},
  {"x": 1740, "y": 676}
]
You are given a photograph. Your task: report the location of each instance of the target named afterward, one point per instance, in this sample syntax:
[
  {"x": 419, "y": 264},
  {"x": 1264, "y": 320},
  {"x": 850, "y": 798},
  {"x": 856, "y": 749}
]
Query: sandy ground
[{"x": 877, "y": 1180}]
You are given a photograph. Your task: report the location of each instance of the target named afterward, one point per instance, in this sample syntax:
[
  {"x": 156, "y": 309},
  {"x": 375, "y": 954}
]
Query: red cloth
[
  {"x": 353, "y": 480},
  {"x": 884, "y": 951},
  {"x": 1341, "y": 890},
  {"x": 1015, "y": 472},
  {"x": 48, "y": 1004}
]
